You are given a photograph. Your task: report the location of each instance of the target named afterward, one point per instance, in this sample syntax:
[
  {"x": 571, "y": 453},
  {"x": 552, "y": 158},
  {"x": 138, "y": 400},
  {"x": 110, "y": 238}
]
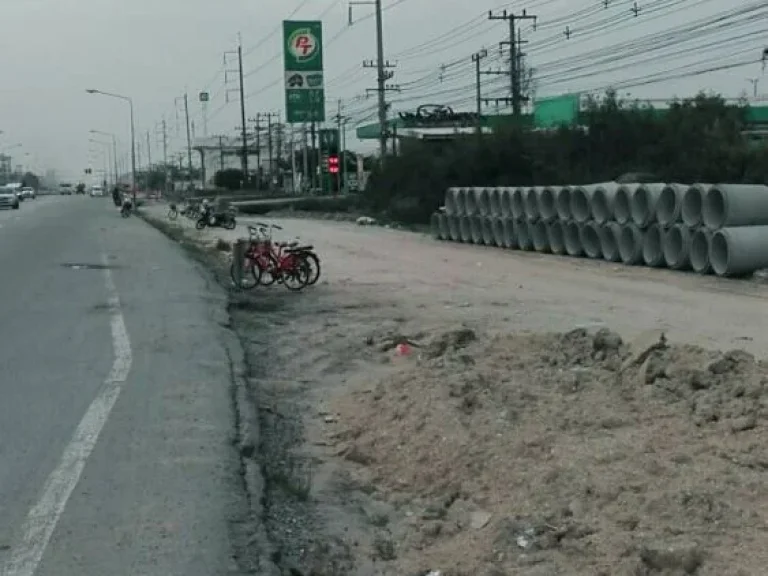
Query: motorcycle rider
[{"x": 127, "y": 203}]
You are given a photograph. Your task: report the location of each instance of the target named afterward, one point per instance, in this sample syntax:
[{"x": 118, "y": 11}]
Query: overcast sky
[{"x": 155, "y": 50}]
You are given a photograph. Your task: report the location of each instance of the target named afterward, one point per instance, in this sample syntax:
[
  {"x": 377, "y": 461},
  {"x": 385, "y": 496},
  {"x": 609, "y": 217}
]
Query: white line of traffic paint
[{"x": 25, "y": 557}]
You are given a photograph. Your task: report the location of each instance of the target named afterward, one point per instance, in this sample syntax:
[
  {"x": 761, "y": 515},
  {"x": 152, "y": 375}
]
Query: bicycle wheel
[
  {"x": 314, "y": 267},
  {"x": 200, "y": 224},
  {"x": 269, "y": 269},
  {"x": 296, "y": 277},
  {"x": 249, "y": 275}
]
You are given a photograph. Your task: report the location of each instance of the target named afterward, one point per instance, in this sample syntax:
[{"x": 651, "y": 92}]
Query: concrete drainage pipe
[
  {"x": 497, "y": 227},
  {"x": 643, "y": 204},
  {"x": 580, "y": 197},
  {"x": 540, "y": 237},
  {"x": 609, "y": 241},
  {"x": 476, "y": 225},
  {"x": 518, "y": 203},
  {"x": 563, "y": 203},
  {"x": 465, "y": 229},
  {"x": 730, "y": 205},
  {"x": 699, "y": 256},
  {"x": 676, "y": 246},
  {"x": 547, "y": 208},
  {"x": 601, "y": 204},
  {"x": 739, "y": 251},
  {"x": 590, "y": 239},
  {"x": 622, "y": 203},
  {"x": 487, "y": 229},
  {"x": 454, "y": 229},
  {"x": 556, "y": 237},
  {"x": 573, "y": 245},
  {"x": 523, "y": 232},
  {"x": 494, "y": 202},
  {"x": 653, "y": 253},
  {"x": 669, "y": 204},
  {"x": 510, "y": 234},
  {"x": 693, "y": 205},
  {"x": 631, "y": 244},
  {"x": 452, "y": 203},
  {"x": 434, "y": 226},
  {"x": 532, "y": 204},
  {"x": 505, "y": 199},
  {"x": 470, "y": 202},
  {"x": 483, "y": 201}
]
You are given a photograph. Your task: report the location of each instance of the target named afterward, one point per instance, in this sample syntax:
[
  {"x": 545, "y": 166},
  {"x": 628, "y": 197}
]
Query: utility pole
[
  {"x": 514, "y": 72},
  {"x": 257, "y": 134},
  {"x": 477, "y": 57},
  {"x": 241, "y": 91},
  {"x": 341, "y": 178},
  {"x": 149, "y": 153},
  {"x": 305, "y": 158},
  {"x": 165, "y": 154},
  {"x": 382, "y": 74},
  {"x": 754, "y": 82},
  {"x": 185, "y": 99}
]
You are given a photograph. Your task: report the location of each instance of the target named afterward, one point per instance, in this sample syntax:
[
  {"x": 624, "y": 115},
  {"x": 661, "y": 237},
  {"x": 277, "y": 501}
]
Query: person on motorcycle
[{"x": 127, "y": 203}]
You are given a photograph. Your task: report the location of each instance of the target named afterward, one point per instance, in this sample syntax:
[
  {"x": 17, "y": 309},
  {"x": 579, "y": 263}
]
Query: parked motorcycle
[{"x": 216, "y": 220}]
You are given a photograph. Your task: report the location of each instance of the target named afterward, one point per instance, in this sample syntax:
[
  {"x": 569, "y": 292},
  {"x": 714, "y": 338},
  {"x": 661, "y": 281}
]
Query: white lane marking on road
[{"x": 25, "y": 557}]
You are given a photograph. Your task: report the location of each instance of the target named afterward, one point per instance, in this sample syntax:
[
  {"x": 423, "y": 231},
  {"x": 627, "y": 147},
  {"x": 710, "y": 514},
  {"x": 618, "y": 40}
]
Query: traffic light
[
  {"x": 88, "y": 171},
  {"x": 333, "y": 164}
]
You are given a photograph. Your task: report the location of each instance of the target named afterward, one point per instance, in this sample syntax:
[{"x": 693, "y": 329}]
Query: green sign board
[{"x": 304, "y": 80}]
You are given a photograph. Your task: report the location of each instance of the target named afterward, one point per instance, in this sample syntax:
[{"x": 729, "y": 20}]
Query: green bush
[{"x": 696, "y": 140}]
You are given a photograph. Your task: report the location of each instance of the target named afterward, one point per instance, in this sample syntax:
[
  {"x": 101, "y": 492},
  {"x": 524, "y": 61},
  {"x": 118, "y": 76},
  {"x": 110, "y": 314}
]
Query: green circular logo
[{"x": 303, "y": 45}]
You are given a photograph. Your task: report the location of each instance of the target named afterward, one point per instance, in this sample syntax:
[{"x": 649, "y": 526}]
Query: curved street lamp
[{"x": 133, "y": 133}]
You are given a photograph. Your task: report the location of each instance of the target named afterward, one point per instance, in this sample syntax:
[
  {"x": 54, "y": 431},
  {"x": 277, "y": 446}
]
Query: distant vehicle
[
  {"x": 28, "y": 192},
  {"x": 80, "y": 188},
  {"x": 97, "y": 191},
  {"x": 8, "y": 199},
  {"x": 15, "y": 188},
  {"x": 66, "y": 189}
]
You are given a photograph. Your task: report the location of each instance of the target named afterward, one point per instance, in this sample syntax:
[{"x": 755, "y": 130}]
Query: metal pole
[
  {"x": 165, "y": 156},
  {"x": 305, "y": 158},
  {"x": 242, "y": 116},
  {"x": 269, "y": 150},
  {"x": 341, "y": 152},
  {"x": 133, "y": 151},
  {"x": 149, "y": 154},
  {"x": 293, "y": 161},
  {"x": 114, "y": 158},
  {"x": 382, "y": 79},
  {"x": 476, "y": 58},
  {"x": 189, "y": 137},
  {"x": 344, "y": 156}
]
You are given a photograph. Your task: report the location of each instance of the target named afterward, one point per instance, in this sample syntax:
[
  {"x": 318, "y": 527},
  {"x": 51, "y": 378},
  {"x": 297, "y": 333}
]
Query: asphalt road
[{"x": 115, "y": 416}]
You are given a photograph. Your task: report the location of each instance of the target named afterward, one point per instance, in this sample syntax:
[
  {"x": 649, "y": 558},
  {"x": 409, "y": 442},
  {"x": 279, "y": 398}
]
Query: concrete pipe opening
[
  {"x": 590, "y": 240},
  {"x": 720, "y": 254},
  {"x": 483, "y": 201},
  {"x": 523, "y": 230},
  {"x": 540, "y": 237},
  {"x": 692, "y": 206},
  {"x": 580, "y": 211},
  {"x": 450, "y": 201},
  {"x": 563, "y": 203},
  {"x": 669, "y": 204},
  {"x": 547, "y": 208},
  {"x": 573, "y": 245},
  {"x": 631, "y": 244},
  {"x": 494, "y": 202},
  {"x": 642, "y": 206},
  {"x": 510, "y": 235},
  {"x": 714, "y": 210},
  {"x": 497, "y": 227},
  {"x": 434, "y": 226},
  {"x": 556, "y": 237},
  {"x": 442, "y": 224},
  {"x": 487, "y": 228},
  {"x": 602, "y": 205},
  {"x": 700, "y": 252},
  {"x": 518, "y": 203},
  {"x": 609, "y": 241},
  {"x": 676, "y": 246},
  {"x": 505, "y": 198},
  {"x": 531, "y": 203},
  {"x": 454, "y": 228},
  {"x": 465, "y": 229},
  {"x": 476, "y": 224},
  {"x": 653, "y": 254},
  {"x": 622, "y": 204},
  {"x": 470, "y": 202}
]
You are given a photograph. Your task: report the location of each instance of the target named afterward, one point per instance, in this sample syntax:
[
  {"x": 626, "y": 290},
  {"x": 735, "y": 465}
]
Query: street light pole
[{"x": 133, "y": 134}]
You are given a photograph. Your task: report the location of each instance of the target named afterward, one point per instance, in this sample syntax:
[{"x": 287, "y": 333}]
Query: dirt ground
[{"x": 465, "y": 410}]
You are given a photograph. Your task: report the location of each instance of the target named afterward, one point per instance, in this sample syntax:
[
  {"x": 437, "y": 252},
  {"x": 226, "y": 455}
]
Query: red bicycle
[{"x": 268, "y": 262}]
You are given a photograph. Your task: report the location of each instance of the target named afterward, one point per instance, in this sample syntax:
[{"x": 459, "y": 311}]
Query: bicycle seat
[{"x": 305, "y": 248}]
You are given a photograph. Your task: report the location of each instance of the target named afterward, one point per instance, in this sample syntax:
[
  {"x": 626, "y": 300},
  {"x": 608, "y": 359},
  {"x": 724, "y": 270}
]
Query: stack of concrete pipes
[{"x": 707, "y": 228}]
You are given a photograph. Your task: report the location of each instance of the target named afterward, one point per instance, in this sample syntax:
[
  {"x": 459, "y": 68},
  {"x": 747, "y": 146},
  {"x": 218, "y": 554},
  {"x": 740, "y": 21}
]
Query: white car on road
[
  {"x": 97, "y": 191},
  {"x": 8, "y": 199},
  {"x": 28, "y": 192}
]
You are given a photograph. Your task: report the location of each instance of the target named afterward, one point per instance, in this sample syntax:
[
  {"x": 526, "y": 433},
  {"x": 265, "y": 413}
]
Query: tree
[{"x": 31, "y": 180}]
